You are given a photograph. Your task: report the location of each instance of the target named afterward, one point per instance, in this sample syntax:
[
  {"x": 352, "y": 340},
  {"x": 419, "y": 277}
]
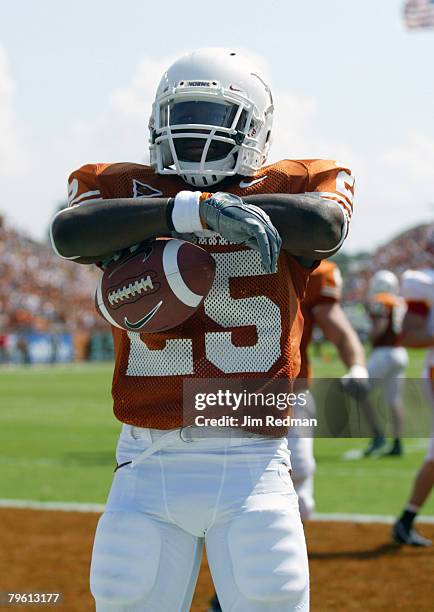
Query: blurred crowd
[
  {"x": 402, "y": 253},
  {"x": 40, "y": 292}
]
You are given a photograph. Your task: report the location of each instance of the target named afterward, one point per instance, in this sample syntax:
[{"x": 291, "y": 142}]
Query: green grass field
[{"x": 58, "y": 434}]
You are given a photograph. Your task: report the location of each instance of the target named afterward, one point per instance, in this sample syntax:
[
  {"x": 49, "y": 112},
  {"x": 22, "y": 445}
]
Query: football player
[
  {"x": 266, "y": 227},
  {"x": 388, "y": 360},
  {"x": 417, "y": 287},
  {"x": 321, "y": 306}
]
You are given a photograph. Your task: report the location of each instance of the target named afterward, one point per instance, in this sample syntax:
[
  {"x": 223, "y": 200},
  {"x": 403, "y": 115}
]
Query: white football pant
[
  {"x": 303, "y": 463},
  {"x": 386, "y": 367},
  {"x": 234, "y": 494}
]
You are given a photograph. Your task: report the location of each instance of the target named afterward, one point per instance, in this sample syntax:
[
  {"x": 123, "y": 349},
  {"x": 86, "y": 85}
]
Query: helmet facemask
[{"x": 204, "y": 133}]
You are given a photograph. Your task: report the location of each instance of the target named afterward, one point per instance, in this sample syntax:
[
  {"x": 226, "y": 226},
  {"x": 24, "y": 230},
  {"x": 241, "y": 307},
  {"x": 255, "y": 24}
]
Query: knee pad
[
  {"x": 125, "y": 558},
  {"x": 269, "y": 558}
]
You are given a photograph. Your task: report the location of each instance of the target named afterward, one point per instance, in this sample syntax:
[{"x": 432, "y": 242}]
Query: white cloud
[
  {"x": 415, "y": 157},
  {"x": 292, "y": 118},
  {"x": 11, "y": 152},
  {"x": 297, "y": 132},
  {"x": 393, "y": 186},
  {"x": 137, "y": 98},
  {"x": 120, "y": 130},
  {"x": 16, "y": 188}
]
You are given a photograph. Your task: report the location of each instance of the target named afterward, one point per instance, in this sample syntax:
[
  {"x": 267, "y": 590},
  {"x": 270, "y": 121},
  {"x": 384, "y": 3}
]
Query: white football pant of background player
[
  {"x": 386, "y": 367},
  {"x": 303, "y": 465}
]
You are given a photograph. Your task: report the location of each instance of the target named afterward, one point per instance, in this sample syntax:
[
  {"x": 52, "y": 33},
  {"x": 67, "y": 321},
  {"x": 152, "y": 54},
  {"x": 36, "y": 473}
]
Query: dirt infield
[{"x": 353, "y": 566}]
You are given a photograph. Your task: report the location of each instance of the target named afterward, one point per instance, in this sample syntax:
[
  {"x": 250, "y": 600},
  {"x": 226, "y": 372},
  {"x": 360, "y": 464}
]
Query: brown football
[{"x": 155, "y": 288}]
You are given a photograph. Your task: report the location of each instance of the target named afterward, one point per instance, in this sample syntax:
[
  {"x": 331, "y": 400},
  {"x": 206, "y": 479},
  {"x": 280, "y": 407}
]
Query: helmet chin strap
[
  {"x": 202, "y": 181},
  {"x": 216, "y": 175}
]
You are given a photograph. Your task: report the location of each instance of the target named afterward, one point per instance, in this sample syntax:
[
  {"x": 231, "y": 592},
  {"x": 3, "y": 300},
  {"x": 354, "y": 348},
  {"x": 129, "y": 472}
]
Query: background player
[
  {"x": 211, "y": 124},
  {"x": 388, "y": 360},
  {"x": 321, "y": 306},
  {"x": 417, "y": 287}
]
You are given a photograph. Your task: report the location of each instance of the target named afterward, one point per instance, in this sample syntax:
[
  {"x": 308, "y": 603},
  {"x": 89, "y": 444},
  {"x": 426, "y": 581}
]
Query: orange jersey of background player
[
  {"x": 249, "y": 325},
  {"x": 324, "y": 286},
  {"x": 390, "y": 308}
]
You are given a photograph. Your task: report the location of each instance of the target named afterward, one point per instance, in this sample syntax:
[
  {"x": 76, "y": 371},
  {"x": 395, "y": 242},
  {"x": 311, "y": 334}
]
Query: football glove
[
  {"x": 242, "y": 223},
  {"x": 356, "y": 382}
]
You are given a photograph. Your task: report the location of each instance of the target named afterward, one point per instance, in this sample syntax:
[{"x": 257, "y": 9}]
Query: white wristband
[{"x": 185, "y": 213}]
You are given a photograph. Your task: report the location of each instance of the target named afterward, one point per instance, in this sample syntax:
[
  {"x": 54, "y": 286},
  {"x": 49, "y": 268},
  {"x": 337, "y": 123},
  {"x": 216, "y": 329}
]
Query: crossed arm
[{"x": 311, "y": 228}]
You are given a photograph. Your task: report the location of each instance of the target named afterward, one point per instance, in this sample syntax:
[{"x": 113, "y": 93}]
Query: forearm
[
  {"x": 379, "y": 326},
  {"x": 310, "y": 227},
  {"x": 350, "y": 349},
  {"x": 333, "y": 321},
  {"x": 103, "y": 227}
]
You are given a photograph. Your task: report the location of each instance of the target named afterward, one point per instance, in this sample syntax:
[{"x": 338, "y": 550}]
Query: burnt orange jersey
[
  {"x": 249, "y": 325},
  {"x": 391, "y": 308},
  {"x": 324, "y": 286}
]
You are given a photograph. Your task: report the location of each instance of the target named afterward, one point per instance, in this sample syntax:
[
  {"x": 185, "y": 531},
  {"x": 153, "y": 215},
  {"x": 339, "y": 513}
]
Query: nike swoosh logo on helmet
[
  {"x": 244, "y": 184},
  {"x": 232, "y": 88},
  {"x": 142, "y": 322}
]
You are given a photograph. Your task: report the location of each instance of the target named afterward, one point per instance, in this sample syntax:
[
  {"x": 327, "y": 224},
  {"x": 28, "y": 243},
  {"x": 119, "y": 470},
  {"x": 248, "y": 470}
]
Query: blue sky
[{"x": 77, "y": 81}]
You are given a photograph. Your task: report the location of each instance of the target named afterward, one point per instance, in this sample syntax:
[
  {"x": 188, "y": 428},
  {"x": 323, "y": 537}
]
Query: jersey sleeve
[
  {"x": 324, "y": 286},
  {"x": 378, "y": 308},
  {"x": 333, "y": 181},
  {"x": 83, "y": 185},
  {"x": 331, "y": 285}
]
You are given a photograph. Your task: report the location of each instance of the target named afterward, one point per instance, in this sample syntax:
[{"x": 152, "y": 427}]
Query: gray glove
[{"x": 242, "y": 223}]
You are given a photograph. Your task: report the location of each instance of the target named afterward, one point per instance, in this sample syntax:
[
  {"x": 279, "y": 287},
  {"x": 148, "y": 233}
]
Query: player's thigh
[
  {"x": 378, "y": 365},
  {"x": 387, "y": 362},
  {"x": 258, "y": 559},
  {"x": 140, "y": 564},
  {"x": 393, "y": 390}
]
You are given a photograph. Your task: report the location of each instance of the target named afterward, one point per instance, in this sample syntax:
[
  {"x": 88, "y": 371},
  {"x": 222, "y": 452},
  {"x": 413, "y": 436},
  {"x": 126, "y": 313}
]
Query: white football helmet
[
  {"x": 211, "y": 118},
  {"x": 384, "y": 281}
]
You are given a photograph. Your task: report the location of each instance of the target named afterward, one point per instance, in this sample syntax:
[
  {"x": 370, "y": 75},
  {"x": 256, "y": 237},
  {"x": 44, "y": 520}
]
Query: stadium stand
[
  {"x": 45, "y": 300},
  {"x": 399, "y": 254}
]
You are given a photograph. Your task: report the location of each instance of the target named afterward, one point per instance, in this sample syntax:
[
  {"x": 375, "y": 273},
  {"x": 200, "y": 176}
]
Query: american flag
[{"x": 419, "y": 14}]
